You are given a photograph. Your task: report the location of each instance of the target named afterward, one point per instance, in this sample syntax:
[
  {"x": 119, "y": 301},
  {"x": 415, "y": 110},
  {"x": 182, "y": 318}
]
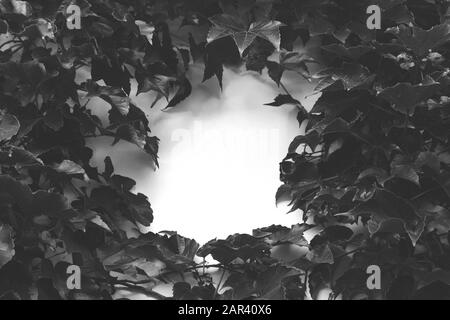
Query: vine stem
[
  {"x": 16, "y": 48},
  {"x": 134, "y": 286},
  {"x": 202, "y": 266},
  {"x": 349, "y": 253},
  {"x": 424, "y": 193},
  {"x": 108, "y": 134},
  {"x": 219, "y": 284},
  {"x": 382, "y": 109},
  {"x": 8, "y": 42},
  {"x": 284, "y": 88},
  {"x": 147, "y": 292}
]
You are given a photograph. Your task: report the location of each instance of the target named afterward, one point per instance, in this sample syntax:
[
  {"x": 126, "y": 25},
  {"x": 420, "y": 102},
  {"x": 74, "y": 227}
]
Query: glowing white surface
[{"x": 219, "y": 157}]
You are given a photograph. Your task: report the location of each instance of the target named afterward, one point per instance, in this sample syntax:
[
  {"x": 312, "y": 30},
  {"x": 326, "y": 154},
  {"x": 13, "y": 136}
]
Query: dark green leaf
[
  {"x": 226, "y": 25},
  {"x": 6, "y": 244},
  {"x": 404, "y": 97},
  {"x": 9, "y": 126},
  {"x": 283, "y": 99},
  {"x": 421, "y": 41}
]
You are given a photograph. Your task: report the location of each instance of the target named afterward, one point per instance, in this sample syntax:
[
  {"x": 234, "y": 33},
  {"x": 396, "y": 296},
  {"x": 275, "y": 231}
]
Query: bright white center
[{"x": 219, "y": 157}]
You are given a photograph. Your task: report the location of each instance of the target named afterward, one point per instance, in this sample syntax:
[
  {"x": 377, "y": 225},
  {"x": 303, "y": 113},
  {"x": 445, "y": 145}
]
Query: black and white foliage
[{"x": 371, "y": 172}]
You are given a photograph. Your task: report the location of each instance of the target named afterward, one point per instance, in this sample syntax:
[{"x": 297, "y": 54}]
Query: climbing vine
[{"x": 370, "y": 173}]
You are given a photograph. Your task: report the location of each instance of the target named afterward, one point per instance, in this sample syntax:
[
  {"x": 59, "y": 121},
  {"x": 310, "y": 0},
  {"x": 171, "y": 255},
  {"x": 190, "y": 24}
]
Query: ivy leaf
[
  {"x": 46, "y": 28},
  {"x": 430, "y": 160},
  {"x": 408, "y": 139},
  {"x": 133, "y": 57},
  {"x": 312, "y": 139},
  {"x": 329, "y": 84},
  {"x": 53, "y": 118},
  {"x": 296, "y": 62},
  {"x": 101, "y": 29},
  {"x": 352, "y": 75},
  {"x": 19, "y": 157},
  {"x": 70, "y": 168},
  {"x": 379, "y": 174},
  {"x": 291, "y": 61},
  {"x": 184, "y": 91},
  {"x": 293, "y": 288},
  {"x": 6, "y": 244},
  {"x": 353, "y": 53},
  {"x": 120, "y": 103},
  {"x": 182, "y": 291},
  {"x": 225, "y": 25},
  {"x": 269, "y": 284},
  {"x": 274, "y": 283},
  {"x": 139, "y": 209},
  {"x": 352, "y": 283},
  {"x": 337, "y": 233},
  {"x": 241, "y": 286},
  {"x": 286, "y": 192},
  {"x": 159, "y": 83},
  {"x": 437, "y": 290},
  {"x": 18, "y": 193},
  {"x": 421, "y": 41},
  {"x": 406, "y": 172},
  {"x": 17, "y": 7},
  {"x": 111, "y": 71},
  {"x": 317, "y": 25},
  {"x": 443, "y": 181},
  {"x": 241, "y": 246},
  {"x": 9, "y": 126},
  {"x": 404, "y": 97},
  {"x": 116, "y": 97},
  {"x": 386, "y": 206},
  {"x": 145, "y": 30},
  {"x": 321, "y": 254},
  {"x": 276, "y": 235},
  {"x": 109, "y": 168},
  {"x": 275, "y": 70},
  {"x": 131, "y": 254},
  {"x": 48, "y": 203},
  {"x": 142, "y": 140},
  {"x": 256, "y": 55},
  {"x": 4, "y": 27},
  {"x": 184, "y": 249},
  {"x": 283, "y": 99},
  {"x": 217, "y": 54},
  {"x": 118, "y": 199},
  {"x": 335, "y": 103}
]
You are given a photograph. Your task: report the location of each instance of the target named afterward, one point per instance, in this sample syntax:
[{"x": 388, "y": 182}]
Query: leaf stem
[
  {"x": 219, "y": 284},
  {"x": 284, "y": 89},
  {"x": 9, "y": 42},
  {"x": 424, "y": 193},
  {"x": 134, "y": 286}
]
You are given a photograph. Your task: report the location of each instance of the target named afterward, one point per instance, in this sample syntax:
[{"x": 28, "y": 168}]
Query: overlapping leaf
[{"x": 226, "y": 25}]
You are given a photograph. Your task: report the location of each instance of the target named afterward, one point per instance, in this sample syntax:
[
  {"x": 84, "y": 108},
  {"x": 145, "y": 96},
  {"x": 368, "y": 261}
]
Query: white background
[{"x": 219, "y": 155}]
